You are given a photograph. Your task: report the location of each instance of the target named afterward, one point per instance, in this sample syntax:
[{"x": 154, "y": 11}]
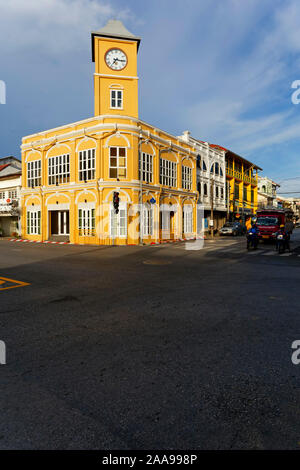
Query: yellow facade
[
  {"x": 242, "y": 185},
  {"x": 70, "y": 173}
]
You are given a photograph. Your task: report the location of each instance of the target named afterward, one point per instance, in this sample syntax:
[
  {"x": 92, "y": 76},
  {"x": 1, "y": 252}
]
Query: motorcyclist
[
  {"x": 286, "y": 237},
  {"x": 253, "y": 229},
  {"x": 252, "y": 234}
]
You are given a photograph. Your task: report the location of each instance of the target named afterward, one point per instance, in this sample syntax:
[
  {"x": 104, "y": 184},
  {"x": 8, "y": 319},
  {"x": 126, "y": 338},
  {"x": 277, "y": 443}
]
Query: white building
[
  {"x": 266, "y": 192},
  {"x": 211, "y": 179},
  {"x": 10, "y": 187}
]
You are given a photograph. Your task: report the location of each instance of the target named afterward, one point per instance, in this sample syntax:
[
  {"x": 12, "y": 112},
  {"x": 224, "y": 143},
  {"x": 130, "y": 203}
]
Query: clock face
[{"x": 116, "y": 59}]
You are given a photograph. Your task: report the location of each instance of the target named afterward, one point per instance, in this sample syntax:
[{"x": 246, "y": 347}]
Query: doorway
[{"x": 59, "y": 223}]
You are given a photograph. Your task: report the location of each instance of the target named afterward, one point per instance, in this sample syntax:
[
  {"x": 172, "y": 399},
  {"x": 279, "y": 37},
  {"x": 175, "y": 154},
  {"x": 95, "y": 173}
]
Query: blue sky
[{"x": 221, "y": 68}]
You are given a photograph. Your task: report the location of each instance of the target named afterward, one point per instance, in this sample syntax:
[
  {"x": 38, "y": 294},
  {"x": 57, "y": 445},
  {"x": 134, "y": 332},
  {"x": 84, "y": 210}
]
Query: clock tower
[{"x": 114, "y": 51}]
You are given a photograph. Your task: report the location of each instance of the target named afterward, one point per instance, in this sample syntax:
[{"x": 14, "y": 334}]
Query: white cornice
[
  {"x": 100, "y": 129},
  {"x": 119, "y": 77},
  {"x": 104, "y": 126}
]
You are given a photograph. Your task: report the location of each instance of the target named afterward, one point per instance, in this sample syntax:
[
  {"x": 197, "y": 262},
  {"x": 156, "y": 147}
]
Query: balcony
[{"x": 239, "y": 175}]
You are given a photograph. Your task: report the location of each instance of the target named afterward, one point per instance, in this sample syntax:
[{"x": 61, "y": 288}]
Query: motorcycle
[
  {"x": 252, "y": 240},
  {"x": 280, "y": 243}
]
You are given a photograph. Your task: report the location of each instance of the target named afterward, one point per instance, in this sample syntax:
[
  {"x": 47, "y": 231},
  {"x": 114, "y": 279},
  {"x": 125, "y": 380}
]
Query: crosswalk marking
[{"x": 237, "y": 248}]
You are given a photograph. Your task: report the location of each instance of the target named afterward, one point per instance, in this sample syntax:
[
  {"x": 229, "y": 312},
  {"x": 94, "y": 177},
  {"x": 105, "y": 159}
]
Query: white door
[{"x": 63, "y": 223}]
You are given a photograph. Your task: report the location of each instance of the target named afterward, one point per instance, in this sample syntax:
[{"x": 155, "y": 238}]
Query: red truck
[{"x": 269, "y": 221}]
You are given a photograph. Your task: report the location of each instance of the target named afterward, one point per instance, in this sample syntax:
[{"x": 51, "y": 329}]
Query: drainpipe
[{"x": 141, "y": 188}]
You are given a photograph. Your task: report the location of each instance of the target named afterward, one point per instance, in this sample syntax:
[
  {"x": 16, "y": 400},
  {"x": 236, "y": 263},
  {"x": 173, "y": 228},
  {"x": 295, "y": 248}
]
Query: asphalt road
[{"x": 149, "y": 347}]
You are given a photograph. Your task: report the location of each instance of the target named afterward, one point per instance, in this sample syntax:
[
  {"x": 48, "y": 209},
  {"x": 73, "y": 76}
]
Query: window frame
[
  {"x": 116, "y": 99},
  {"x": 34, "y": 173},
  {"x": 187, "y": 220},
  {"x": 148, "y": 221},
  {"x": 33, "y": 222},
  {"x": 60, "y": 164},
  {"x": 86, "y": 222},
  {"x": 168, "y": 177},
  {"x": 122, "y": 215},
  {"x": 90, "y": 164},
  {"x": 186, "y": 177},
  {"x": 118, "y": 159},
  {"x": 146, "y": 167}
]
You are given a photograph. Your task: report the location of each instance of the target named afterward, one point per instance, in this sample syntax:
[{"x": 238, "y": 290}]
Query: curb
[{"x": 37, "y": 241}]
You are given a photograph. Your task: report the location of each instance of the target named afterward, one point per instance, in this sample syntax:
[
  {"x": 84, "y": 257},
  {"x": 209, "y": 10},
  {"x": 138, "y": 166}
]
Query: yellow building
[
  {"x": 241, "y": 194},
  {"x": 71, "y": 173}
]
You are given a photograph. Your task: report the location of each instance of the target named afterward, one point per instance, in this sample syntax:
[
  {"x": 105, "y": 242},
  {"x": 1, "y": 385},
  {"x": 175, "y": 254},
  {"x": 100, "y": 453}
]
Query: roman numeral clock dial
[{"x": 116, "y": 59}]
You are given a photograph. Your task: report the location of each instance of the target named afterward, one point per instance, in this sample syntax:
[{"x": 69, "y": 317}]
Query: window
[
  {"x": 116, "y": 99},
  {"x": 147, "y": 221},
  {"x": 221, "y": 171},
  {"x": 187, "y": 220},
  {"x": 245, "y": 194},
  {"x": 186, "y": 177},
  {"x": 117, "y": 162},
  {"x": 217, "y": 191},
  {"x": 216, "y": 168},
  {"x": 118, "y": 223},
  {"x": 168, "y": 172},
  {"x": 252, "y": 195},
  {"x": 34, "y": 173},
  {"x": 205, "y": 189},
  {"x": 204, "y": 166},
  {"x": 86, "y": 222},
  {"x": 222, "y": 193},
  {"x": 59, "y": 169},
  {"x": 2, "y": 195},
  {"x": 87, "y": 165},
  {"x": 199, "y": 187},
  {"x": 34, "y": 222},
  {"x": 12, "y": 194},
  {"x": 236, "y": 191},
  {"x": 146, "y": 165},
  {"x": 199, "y": 161}
]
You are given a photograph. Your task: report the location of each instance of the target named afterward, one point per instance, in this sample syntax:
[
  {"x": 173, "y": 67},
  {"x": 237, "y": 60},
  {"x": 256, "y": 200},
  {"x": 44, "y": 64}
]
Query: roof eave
[{"x": 116, "y": 36}]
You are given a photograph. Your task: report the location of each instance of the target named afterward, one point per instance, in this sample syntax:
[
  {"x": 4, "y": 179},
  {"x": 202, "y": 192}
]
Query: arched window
[
  {"x": 204, "y": 166},
  {"x": 205, "y": 189},
  {"x": 212, "y": 168},
  {"x": 199, "y": 161},
  {"x": 221, "y": 171},
  {"x": 216, "y": 168},
  {"x": 199, "y": 187},
  {"x": 263, "y": 189}
]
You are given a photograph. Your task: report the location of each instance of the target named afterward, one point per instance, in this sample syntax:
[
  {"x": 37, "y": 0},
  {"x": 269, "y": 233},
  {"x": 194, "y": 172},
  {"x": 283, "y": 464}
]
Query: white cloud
[
  {"x": 236, "y": 80},
  {"x": 54, "y": 26}
]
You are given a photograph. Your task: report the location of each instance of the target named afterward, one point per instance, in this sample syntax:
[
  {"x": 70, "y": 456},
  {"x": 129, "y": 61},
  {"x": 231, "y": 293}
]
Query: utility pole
[
  {"x": 212, "y": 207},
  {"x": 228, "y": 198},
  {"x": 140, "y": 163}
]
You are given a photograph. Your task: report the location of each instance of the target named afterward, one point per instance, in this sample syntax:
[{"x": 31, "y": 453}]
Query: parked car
[{"x": 232, "y": 228}]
